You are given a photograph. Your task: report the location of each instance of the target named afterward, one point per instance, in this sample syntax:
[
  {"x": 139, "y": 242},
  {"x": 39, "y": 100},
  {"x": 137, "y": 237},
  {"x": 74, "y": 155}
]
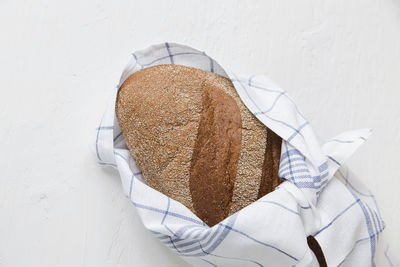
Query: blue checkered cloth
[{"x": 319, "y": 197}]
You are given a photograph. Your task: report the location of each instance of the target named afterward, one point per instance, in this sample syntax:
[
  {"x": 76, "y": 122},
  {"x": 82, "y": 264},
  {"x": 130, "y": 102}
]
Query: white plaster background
[{"x": 59, "y": 61}]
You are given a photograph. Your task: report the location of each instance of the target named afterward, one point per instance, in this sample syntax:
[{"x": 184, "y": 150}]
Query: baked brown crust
[
  {"x": 195, "y": 140},
  {"x": 215, "y": 155},
  {"x": 269, "y": 177}
]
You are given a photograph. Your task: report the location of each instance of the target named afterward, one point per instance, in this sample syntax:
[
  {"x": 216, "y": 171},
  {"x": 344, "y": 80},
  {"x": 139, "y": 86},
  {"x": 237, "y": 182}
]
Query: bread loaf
[{"x": 195, "y": 141}]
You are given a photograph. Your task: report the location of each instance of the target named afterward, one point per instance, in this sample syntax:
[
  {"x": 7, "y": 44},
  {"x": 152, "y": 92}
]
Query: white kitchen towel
[{"x": 319, "y": 197}]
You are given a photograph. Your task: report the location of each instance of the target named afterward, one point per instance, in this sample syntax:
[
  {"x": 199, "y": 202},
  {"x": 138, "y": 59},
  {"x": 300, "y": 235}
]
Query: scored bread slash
[{"x": 195, "y": 141}]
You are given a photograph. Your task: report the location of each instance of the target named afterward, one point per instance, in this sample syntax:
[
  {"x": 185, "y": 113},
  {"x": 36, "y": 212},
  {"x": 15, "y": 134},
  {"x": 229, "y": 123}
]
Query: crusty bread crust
[{"x": 195, "y": 141}]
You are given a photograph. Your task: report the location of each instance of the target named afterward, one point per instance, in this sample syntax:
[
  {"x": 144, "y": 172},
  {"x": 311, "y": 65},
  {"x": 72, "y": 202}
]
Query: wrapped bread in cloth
[
  {"x": 225, "y": 170},
  {"x": 195, "y": 140}
]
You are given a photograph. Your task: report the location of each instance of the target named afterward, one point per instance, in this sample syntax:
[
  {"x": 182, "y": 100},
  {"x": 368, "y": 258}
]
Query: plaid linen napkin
[{"x": 320, "y": 197}]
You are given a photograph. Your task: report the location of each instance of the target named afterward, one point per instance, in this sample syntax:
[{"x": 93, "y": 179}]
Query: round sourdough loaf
[{"x": 195, "y": 141}]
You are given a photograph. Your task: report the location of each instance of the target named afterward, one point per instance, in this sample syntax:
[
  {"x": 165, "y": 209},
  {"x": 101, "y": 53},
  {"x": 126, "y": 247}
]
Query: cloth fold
[{"x": 318, "y": 197}]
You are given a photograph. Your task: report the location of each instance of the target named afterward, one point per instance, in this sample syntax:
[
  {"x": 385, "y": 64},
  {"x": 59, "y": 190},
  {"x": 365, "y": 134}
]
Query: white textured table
[{"x": 59, "y": 61}]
